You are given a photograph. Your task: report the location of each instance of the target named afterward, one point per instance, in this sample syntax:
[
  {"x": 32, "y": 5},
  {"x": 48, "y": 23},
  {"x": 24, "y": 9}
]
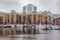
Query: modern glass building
[{"x": 29, "y": 9}]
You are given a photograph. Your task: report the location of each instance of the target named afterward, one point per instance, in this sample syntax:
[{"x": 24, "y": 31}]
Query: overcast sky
[{"x": 42, "y": 5}]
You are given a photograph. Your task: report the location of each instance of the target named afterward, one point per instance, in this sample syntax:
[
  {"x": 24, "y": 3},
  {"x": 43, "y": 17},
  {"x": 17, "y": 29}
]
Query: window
[
  {"x": 24, "y": 8},
  {"x": 35, "y": 8},
  {"x": 34, "y": 19},
  {"x": 39, "y": 19},
  {"x": 18, "y": 19},
  {"x": 1, "y": 20},
  {"x": 12, "y": 20},
  {"x": 29, "y": 18}
]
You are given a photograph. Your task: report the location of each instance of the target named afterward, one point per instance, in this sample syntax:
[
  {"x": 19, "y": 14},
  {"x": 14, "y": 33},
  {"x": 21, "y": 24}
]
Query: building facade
[
  {"x": 14, "y": 18},
  {"x": 29, "y": 9},
  {"x": 56, "y": 21}
]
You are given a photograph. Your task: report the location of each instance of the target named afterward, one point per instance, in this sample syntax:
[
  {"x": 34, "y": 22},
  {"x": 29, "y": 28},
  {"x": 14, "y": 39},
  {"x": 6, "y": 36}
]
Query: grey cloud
[
  {"x": 58, "y": 6},
  {"x": 9, "y": 4},
  {"x": 52, "y": 5}
]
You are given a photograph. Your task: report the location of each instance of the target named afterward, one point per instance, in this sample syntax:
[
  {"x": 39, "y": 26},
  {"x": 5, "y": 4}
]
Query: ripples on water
[{"x": 49, "y": 35}]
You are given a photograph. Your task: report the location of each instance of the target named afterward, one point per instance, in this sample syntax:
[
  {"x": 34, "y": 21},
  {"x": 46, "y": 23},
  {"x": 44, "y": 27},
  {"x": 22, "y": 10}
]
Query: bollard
[
  {"x": 34, "y": 30},
  {"x": 23, "y": 30},
  {"x": 3, "y": 31},
  {"x": 29, "y": 30},
  {"x": 46, "y": 27},
  {"x": 14, "y": 31},
  {"x": 10, "y": 31},
  {"x": 19, "y": 30}
]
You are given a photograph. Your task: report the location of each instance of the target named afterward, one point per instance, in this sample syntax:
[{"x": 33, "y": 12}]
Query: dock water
[
  {"x": 13, "y": 31},
  {"x": 20, "y": 30}
]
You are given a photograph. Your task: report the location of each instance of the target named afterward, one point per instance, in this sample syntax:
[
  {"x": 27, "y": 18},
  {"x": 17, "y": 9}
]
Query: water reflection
[
  {"x": 29, "y": 37},
  {"x": 49, "y": 35}
]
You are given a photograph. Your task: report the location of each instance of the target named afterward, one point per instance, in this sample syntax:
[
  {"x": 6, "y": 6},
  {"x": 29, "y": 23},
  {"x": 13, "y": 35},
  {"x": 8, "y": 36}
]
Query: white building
[{"x": 29, "y": 9}]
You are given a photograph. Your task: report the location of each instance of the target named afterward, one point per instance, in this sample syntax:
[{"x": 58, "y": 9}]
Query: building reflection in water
[
  {"x": 23, "y": 37},
  {"x": 30, "y": 37}
]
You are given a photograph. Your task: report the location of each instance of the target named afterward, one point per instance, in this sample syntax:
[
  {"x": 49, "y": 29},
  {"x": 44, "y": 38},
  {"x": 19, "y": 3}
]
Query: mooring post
[
  {"x": 3, "y": 31},
  {"x": 34, "y": 29},
  {"x": 14, "y": 30}
]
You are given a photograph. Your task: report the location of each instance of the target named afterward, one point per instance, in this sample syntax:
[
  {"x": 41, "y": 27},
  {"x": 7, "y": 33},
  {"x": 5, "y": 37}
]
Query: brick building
[
  {"x": 56, "y": 21},
  {"x": 14, "y": 18}
]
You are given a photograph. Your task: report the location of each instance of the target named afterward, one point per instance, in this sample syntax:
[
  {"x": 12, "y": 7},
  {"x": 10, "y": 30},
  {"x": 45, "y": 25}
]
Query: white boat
[
  {"x": 42, "y": 27},
  {"x": 56, "y": 27}
]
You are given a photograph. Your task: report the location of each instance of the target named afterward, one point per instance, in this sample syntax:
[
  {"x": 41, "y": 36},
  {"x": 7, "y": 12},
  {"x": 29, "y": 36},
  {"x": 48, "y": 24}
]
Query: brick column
[
  {"x": 55, "y": 21},
  {"x": 26, "y": 19},
  {"x": 10, "y": 18},
  {"x": 21, "y": 18},
  {"x": 4, "y": 19},
  {"x": 36, "y": 18},
  {"x": 48, "y": 19},
  {"x": 32, "y": 18},
  {"x": 14, "y": 18},
  {"x": 43, "y": 18}
]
